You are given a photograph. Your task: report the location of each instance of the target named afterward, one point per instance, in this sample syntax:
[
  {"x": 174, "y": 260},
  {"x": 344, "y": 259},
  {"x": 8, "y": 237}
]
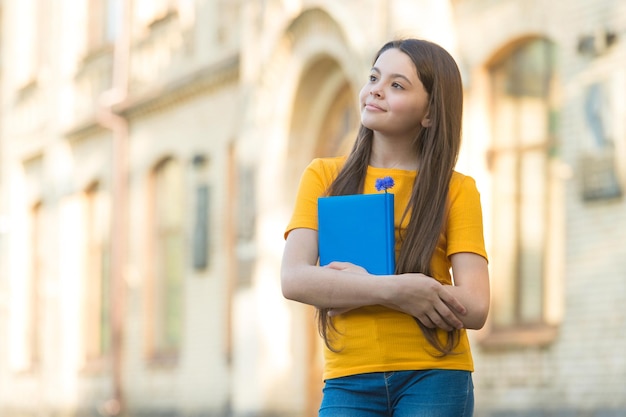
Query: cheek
[
  {"x": 363, "y": 95},
  {"x": 403, "y": 108},
  {"x": 409, "y": 114},
  {"x": 414, "y": 110}
]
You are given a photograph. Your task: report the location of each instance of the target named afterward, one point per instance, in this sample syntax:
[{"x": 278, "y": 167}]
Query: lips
[{"x": 373, "y": 107}]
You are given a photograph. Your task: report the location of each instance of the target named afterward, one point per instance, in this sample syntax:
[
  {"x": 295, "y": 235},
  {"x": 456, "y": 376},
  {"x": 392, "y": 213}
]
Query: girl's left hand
[{"x": 348, "y": 267}]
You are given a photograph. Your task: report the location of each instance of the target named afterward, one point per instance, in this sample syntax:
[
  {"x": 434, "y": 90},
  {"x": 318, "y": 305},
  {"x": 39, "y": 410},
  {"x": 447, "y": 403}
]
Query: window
[
  {"x": 524, "y": 125},
  {"x": 29, "y": 39},
  {"x": 97, "y": 278},
  {"x": 166, "y": 289},
  {"x": 35, "y": 301},
  {"x": 104, "y": 22}
]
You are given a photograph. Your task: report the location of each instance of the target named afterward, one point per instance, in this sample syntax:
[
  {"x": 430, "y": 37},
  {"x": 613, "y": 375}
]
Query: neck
[{"x": 393, "y": 153}]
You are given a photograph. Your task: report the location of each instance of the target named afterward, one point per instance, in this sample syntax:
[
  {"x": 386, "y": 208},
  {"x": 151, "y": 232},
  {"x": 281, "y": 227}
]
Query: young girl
[{"x": 397, "y": 345}]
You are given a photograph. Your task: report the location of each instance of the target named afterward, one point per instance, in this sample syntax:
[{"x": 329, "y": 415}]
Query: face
[{"x": 394, "y": 101}]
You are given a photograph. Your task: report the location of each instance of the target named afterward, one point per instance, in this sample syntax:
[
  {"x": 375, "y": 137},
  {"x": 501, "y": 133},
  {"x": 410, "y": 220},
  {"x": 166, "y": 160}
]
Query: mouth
[{"x": 372, "y": 107}]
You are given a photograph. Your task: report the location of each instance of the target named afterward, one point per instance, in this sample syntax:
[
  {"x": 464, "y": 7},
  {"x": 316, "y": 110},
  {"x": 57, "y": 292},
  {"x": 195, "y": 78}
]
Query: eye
[
  {"x": 373, "y": 78},
  {"x": 396, "y": 85}
]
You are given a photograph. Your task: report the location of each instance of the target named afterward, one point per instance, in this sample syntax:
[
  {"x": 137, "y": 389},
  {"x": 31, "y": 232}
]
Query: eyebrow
[{"x": 394, "y": 75}]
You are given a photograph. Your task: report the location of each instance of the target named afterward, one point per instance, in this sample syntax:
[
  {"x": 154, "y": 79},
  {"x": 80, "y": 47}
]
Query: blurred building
[{"x": 149, "y": 157}]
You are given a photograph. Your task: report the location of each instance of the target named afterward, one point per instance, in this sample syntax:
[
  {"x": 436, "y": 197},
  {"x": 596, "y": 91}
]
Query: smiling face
[{"x": 394, "y": 102}]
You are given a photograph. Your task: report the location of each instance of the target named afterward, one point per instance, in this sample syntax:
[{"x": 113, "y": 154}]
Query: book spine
[{"x": 391, "y": 238}]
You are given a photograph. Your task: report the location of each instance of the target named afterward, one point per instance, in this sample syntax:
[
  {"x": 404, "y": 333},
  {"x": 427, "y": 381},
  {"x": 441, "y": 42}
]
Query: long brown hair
[{"x": 437, "y": 147}]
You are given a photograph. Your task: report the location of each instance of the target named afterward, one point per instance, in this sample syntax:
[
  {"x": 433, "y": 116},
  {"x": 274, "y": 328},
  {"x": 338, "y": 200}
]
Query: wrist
[{"x": 389, "y": 289}]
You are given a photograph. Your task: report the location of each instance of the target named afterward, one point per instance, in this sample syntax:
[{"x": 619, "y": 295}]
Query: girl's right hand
[{"x": 427, "y": 300}]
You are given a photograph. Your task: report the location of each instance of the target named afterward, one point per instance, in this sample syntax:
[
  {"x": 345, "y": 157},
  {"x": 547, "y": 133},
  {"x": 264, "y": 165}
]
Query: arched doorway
[
  {"x": 317, "y": 112},
  {"x": 324, "y": 123}
]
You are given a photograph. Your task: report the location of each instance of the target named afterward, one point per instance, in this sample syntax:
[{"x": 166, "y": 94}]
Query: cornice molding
[
  {"x": 199, "y": 82},
  {"x": 160, "y": 97}
]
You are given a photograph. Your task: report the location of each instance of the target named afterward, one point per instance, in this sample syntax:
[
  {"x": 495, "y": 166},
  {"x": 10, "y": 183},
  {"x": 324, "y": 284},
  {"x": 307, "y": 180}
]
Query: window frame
[
  {"x": 159, "y": 299},
  {"x": 97, "y": 284},
  {"x": 519, "y": 331}
]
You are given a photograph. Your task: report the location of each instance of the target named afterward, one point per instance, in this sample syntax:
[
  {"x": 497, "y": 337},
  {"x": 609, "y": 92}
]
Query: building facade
[{"x": 149, "y": 157}]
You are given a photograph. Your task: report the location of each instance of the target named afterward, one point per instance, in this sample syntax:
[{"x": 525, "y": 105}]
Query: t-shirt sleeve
[
  {"x": 313, "y": 184},
  {"x": 465, "y": 219}
]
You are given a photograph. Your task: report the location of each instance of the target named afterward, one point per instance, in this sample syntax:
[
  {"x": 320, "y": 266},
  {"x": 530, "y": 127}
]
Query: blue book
[{"x": 358, "y": 229}]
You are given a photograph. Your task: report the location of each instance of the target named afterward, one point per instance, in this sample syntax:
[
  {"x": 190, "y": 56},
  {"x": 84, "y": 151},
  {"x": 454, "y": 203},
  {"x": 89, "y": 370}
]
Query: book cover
[{"x": 358, "y": 229}]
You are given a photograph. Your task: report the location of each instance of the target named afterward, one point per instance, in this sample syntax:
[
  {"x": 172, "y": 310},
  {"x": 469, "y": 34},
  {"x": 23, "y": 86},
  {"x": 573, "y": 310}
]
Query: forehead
[{"x": 395, "y": 61}]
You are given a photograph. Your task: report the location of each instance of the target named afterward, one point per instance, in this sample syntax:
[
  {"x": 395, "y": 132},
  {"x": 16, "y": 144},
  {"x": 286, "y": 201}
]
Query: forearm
[
  {"x": 345, "y": 286},
  {"x": 331, "y": 288}
]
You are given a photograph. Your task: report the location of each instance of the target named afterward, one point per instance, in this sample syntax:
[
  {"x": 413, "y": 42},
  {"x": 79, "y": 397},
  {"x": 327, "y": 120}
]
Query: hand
[
  {"x": 349, "y": 267},
  {"x": 429, "y": 301},
  {"x": 346, "y": 266}
]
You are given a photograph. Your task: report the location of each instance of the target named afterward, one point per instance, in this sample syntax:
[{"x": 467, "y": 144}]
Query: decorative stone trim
[{"x": 205, "y": 80}]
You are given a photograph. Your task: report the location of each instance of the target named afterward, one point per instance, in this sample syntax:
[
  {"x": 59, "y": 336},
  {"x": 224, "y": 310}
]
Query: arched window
[
  {"x": 523, "y": 131},
  {"x": 165, "y": 300}
]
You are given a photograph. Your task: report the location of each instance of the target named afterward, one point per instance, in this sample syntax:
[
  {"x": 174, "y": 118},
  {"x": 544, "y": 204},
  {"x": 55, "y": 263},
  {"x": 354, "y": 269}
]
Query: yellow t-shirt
[{"x": 375, "y": 338}]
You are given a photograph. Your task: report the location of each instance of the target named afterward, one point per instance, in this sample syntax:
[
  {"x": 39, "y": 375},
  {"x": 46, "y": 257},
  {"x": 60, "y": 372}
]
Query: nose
[{"x": 376, "y": 92}]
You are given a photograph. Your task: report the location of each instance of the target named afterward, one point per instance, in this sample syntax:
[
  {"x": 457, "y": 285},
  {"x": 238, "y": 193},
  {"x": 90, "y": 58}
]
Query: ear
[{"x": 426, "y": 121}]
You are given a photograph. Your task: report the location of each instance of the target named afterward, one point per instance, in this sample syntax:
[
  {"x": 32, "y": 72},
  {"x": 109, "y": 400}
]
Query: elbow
[
  {"x": 288, "y": 294},
  {"x": 476, "y": 324},
  {"x": 287, "y": 286},
  {"x": 479, "y": 318}
]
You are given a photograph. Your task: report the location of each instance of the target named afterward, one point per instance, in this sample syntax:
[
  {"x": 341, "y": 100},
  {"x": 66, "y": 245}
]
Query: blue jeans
[{"x": 429, "y": 393}]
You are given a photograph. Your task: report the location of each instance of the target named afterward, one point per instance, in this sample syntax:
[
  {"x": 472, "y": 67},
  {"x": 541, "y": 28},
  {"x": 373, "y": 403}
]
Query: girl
[{"x": 397, "y": 345}]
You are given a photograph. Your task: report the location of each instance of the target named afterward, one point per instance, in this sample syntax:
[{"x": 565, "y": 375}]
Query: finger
[
  {"x": 346, "y": 266},
  {"x": 440, "y": 322},
  {"x": 449, "y": 318},
  {"x": 426, "y": 321},
  {"x": 451, "y": 302},
  {"x": 338, "y": 265}
]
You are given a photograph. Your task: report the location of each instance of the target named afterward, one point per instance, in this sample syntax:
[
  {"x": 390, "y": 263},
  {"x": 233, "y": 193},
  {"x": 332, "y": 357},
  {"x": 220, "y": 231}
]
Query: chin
[{"x": 368, "y": 123}]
